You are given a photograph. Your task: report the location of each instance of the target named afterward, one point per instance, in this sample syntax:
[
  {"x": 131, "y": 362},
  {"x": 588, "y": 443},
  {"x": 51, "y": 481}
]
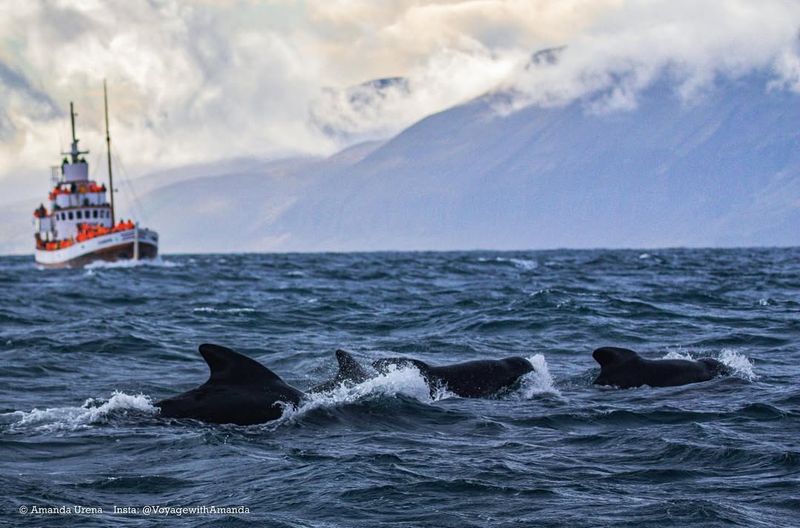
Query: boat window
[
  {"x": 78, "y": 215},
  {"x": 94, "y": 213},
  {"x": 70, "y": 215}
]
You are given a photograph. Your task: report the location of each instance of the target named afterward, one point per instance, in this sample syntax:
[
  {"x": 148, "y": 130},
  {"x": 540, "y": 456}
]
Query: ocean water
[{"x": 85, "y": 353}]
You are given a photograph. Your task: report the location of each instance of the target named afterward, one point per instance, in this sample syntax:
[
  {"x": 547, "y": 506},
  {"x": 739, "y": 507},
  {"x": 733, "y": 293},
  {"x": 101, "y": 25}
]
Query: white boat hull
[{"x": 111, "y": 247}]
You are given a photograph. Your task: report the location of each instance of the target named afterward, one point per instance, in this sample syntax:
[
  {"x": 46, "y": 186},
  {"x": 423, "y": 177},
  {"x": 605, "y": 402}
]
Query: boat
[{"x": 80, "y": 225}]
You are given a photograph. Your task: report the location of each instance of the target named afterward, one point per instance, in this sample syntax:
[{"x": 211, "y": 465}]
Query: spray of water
[
  {"x": 736, "y": 361},
  {"x": 92, "y": 411}
]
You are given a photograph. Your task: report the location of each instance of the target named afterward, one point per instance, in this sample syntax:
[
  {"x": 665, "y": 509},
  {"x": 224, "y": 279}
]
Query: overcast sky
[{"x": 207, "y": 80}]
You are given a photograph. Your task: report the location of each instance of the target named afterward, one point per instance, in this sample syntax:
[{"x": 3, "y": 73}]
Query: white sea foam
[
  {"x": 538, "y": 381},
  {"x": 156, "y": 262},
  {"x": 736, "y": 361},
  {"x": 404, "y": 381},
  {"x": 678, "y": 354},
  {"x": 523, "y": 264},
  {"x": 211, "y": 309},
  {"x": 92, "y": 411}
]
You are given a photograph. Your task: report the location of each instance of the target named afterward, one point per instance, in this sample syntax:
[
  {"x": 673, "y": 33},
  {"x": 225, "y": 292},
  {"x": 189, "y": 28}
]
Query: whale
[
  {"x": 624, "y": 368},
  {"x": 350, "y": 373},
  {"x": 471, "y": 379},
  {"x": 239, "y": 391}
]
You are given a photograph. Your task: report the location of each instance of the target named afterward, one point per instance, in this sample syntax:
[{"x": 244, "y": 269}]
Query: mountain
[
  {"x": 720, "y": 169},
  {"x": 236, "y": 209},
  {"x": 723, "y": 169}
]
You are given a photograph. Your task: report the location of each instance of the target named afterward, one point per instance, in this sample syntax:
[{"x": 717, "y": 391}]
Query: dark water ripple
[{"x": 83, "y": 352}]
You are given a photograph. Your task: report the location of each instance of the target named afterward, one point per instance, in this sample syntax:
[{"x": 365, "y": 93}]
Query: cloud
[
  {"x": 193, "y": 82},
  {"x": 693, "y": 43}
]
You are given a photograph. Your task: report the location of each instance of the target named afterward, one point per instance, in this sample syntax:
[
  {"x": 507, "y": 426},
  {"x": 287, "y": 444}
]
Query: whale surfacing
[
  {"x": 239, "y": 391},
  {"x": 470, "y": 379},
  {"x": 350, "y": 373},
  {"x": 626, "y": 369}
]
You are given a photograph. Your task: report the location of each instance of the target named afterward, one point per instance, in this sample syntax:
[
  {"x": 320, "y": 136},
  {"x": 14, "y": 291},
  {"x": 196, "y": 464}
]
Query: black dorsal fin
[
  {"x": 229, "y": 366},
  {"x": 613, "y": 355},
  {"x": 349, "y": 368}
]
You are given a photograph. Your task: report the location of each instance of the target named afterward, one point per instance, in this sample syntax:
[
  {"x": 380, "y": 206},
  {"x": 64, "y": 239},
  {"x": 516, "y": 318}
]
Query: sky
[{"x": 194, "y": 82}]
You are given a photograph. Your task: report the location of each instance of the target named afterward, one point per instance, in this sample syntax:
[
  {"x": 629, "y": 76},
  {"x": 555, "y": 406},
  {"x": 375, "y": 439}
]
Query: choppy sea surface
[{"x": 85, "y": 353}]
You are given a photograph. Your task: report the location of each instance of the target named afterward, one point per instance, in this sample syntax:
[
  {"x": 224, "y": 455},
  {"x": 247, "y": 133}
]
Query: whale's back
[{"x": 239, "y": 390}]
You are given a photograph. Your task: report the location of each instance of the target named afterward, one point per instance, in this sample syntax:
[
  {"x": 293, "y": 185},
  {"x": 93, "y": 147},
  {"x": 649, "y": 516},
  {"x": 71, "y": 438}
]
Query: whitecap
[
  {"x": 211, "y": 309},
  {"x": 523, "y": 264},
  {"x": 92, "y": 411},
  {"x": 156, "y": 262}
]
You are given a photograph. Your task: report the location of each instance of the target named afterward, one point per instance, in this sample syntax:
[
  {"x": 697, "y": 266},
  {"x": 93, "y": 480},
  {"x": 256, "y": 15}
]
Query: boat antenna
[
  {"x": 74, "y": 152},
  {"x": 108, "y": 149}
]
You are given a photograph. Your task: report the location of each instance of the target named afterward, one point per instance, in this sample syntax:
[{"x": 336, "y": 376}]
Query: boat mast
[
  {"x": 108, "y": 149},
  {"x": 74, "y": 153}
]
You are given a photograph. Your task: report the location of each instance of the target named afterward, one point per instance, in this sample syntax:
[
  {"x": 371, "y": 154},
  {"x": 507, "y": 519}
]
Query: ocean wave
[
  {"x": 523, "y": 264},
  {"x": 124, "y": 264},
  {"x": 212, "y": 309},
  {"x": 71, "y": 418}
]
